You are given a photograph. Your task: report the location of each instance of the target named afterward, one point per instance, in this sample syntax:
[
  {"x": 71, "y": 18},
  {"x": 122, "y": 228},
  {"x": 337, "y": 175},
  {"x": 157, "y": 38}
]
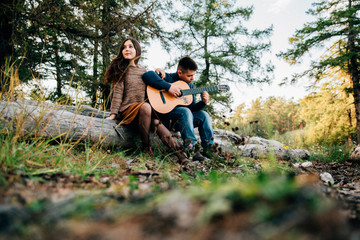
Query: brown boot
[
  {"x": 168, "y": 139},
  {"x": 148, "y": 151},
  {"x": 182, "y": 159}
]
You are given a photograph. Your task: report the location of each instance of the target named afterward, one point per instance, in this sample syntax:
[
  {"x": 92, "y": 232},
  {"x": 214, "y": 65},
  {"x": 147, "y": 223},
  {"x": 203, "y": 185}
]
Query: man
[{"x": 185, "y": 118}]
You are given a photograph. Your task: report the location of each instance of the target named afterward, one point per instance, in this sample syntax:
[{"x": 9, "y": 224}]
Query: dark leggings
[{"x": 147, "y": 122}]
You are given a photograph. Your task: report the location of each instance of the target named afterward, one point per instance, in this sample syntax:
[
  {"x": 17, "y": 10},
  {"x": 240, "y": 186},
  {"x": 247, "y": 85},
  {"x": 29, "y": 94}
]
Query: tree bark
[
  {"x": 73, "y": 124},
  {"x": 57, "y": 69},
  {"x": 354, "y": 71},
  {"x": 95, "y": 84},
  {"x": 350, "y": 137},
  {"x": 6, "y": 30}
]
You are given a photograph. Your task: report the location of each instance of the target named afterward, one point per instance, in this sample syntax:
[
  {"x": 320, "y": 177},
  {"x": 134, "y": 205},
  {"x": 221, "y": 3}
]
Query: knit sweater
[{"x": 129, "y": 91}]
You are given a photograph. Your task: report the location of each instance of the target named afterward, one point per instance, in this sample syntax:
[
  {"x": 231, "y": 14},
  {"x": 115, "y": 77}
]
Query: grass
[
  {"x": 330, "y": 153},
  {"x": 264, "y": 190},
  {"x": 266, "y": 187}
]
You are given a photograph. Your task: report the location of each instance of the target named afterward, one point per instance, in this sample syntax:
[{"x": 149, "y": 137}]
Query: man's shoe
[{"x": 199, "y": 157}]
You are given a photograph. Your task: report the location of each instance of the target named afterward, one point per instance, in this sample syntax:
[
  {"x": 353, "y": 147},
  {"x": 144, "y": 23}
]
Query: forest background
[
  {"x": 73, "y": 42},
  {"x": 55, "y": 185}
]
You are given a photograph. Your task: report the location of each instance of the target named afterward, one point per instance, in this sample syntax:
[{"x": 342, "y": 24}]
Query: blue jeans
[{"x": 184, "y": 120}]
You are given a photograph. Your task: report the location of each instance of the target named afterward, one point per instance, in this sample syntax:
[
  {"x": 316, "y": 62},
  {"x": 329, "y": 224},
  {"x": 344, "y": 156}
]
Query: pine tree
[
  {"x": 337, "y": 22},
  {"x": 329, "y": 110},
  {"x": 213, "y": 33},
  {"x": 6, "y": 29},
  {"x": 74, "y": 41}
]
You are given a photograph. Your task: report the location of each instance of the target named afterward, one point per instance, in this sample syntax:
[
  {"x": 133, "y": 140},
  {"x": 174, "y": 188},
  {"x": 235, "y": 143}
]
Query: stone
[
  {"x": 256, "y": 147},
  {"x": 175, "y": 205},
  {"x": 304, "y": 164},
  {"x": 298, "y": 154},
  {"x": 327, "y": 178},
  {"x": 355, "y": 155}
]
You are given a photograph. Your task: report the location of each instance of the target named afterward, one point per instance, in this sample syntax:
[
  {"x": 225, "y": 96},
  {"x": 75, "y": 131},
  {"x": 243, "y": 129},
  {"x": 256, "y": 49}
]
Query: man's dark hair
[{"x": 187, "y": 63}]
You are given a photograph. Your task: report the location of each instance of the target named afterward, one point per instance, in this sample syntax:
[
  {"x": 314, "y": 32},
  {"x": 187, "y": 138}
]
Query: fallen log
[
  {"x": 86, "y": 124},
  {"x": 76, "y": 124}
]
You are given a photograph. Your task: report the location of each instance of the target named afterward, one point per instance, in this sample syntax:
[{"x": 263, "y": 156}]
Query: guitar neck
[{"x": 199, "y": 90}]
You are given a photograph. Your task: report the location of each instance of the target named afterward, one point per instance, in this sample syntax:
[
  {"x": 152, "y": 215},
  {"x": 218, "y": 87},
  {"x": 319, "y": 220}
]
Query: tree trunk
[
  {"x": 356, "y": 87},
  {"x": 94, "y": 83},
  {"x": 105, "y": 51},
  {"x": 58, "y": 69},
  {"x": 205, "y": 76},
  {"x": 350, "y": 137},
  {"x": 6, "y": 30},
  {"x": 69, "y": 123},
  {"x": 354, "y": 71}
]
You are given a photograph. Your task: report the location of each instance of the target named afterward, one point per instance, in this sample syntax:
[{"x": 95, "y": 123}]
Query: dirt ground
[
  {"x": 61, "y": 206},
  {"x": 346, "y": 187}
]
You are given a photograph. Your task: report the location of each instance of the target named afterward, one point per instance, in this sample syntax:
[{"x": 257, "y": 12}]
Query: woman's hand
[
  {"x": 160, "y": 72},
  {"x": 111, "y": 117}
]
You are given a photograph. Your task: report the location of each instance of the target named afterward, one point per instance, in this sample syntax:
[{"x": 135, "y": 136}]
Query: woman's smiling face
[{"x": 129, "y": 51}]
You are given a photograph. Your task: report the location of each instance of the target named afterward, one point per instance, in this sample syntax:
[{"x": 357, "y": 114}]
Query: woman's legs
[
  {"x": 167, "y": 138},
  {"x": 165, "y": 135},
  {"x": 182, "y": 119},
  {"x": 144, "y": 123}
]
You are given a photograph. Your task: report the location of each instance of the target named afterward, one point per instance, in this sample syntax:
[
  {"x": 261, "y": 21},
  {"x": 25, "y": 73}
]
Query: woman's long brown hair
[{"x": 119, "y": 65}]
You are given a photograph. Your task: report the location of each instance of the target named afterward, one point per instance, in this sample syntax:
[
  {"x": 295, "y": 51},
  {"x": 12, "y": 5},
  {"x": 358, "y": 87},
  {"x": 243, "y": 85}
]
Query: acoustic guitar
[{"x": 163, "y": 102}]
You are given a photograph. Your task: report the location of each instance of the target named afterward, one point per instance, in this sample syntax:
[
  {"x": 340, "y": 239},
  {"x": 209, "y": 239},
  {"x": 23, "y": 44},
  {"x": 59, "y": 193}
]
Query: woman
[{"x": 128, "y": 103}]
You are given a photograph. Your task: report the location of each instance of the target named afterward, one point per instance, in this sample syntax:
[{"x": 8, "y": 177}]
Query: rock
[
  {"x": 12, "y": 217},
  {"x": 298, "y": 154},
  {"x": 179, "y": 207},
  {"x": 253, "y": 150},
  {"x": 256, "y": 147},
  {"x": 355, "y": 155},
  {"x": 226, "y": 141},
  {"x": 262, "y": 147},
  {"x": 327, "y": 178},
  {"x": 304, "y": 164}
]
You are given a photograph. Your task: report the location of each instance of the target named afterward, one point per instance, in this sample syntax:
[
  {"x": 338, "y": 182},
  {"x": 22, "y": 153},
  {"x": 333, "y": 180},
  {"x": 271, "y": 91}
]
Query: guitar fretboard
[{"x": 200, "y": 90}]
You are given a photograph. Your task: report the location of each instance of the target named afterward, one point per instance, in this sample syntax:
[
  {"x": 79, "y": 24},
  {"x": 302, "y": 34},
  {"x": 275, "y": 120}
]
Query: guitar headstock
[{"x": 223, "y": 88}]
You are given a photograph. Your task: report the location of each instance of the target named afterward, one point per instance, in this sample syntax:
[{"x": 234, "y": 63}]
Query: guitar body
[{"x": 163, "y": 102}]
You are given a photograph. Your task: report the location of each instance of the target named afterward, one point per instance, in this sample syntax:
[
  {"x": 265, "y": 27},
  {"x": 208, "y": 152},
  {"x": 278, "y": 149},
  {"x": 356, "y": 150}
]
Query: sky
[{"x": 286, "y": 16}]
